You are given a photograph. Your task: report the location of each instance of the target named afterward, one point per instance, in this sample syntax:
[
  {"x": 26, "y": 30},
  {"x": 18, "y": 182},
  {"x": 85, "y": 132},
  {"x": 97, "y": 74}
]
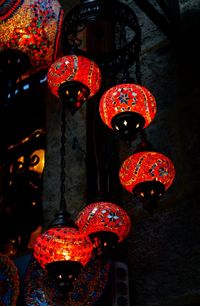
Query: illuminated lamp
[
  {"x": 127, "y": 109},
  {"x": 63, "y": 251},
  {"x": 106, "y": 224},
  {"x": 29, "y": 34},
  {"x": 147, "y": 175},
  {"x": 74, "y": 79}
]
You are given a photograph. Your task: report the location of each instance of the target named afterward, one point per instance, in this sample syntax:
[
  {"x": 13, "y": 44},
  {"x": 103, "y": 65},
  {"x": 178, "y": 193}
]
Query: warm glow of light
[
  {"x": 36, "y": 162},
  {"x": 38, "y": 166},
  {"x": 104, "y": 216},
  {"x": 127, "y": 98},
  {"x": 62, "y": 243},
  {"x": 78, "y": 68},
  {"x": 28, "y": 160},
  {"x": 32, "y": 27},
  {"x": 146, "y": 166},
  {"x": 25, "y": 140}
]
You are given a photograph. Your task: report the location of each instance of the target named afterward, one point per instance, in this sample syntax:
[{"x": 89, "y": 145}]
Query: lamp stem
[
  {"x": 63, "y": 218},
  {"x": 63, "y": 205}
]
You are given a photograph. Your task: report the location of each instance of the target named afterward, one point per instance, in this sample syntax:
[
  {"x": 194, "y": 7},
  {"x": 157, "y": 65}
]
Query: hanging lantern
[
  {"x": 106, "y": 224},
  {"x": 62, "y": 251},
  {"x": 74, "y": 79},
  {"x": 29, "y": 34},
  {"x": 148, "y": 175},
  {"x": 127, "y": 109}
]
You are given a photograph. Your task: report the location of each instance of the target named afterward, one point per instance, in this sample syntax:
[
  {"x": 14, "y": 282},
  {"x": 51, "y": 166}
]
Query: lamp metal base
[
  {"x": 64, "y": 273},
  {"x": 127, "y": 125},
  {"x": 149, "y": 193},
  {"x": 104, "y": 243},
  {"x": 73, "y": 94}
]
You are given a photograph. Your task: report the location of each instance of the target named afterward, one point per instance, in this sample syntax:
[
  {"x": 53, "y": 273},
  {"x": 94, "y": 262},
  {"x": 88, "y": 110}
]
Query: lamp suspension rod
[{"x": 63, "y": 205}]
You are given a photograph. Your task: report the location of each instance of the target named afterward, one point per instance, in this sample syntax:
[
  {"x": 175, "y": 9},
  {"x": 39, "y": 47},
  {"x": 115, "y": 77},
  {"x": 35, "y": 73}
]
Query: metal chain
[
  {"x": 63, "y": 205},
  {"x": 138, "y": 70},
  {"x": 126, "y": 74}
]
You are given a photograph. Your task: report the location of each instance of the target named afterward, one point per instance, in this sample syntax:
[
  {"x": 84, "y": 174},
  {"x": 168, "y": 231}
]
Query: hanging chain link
[{"x": 62, "y": 161}]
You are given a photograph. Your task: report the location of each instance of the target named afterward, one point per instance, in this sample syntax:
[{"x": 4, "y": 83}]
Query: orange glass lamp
[
  {"x": 127, "y": 109},
  {"x": 147, "y": 175},
  {"x": 29, "y": 34},
  {"x": 63, "y": 251},
  {"x": 74, "y": 79},
  {"x": 106, "y": 224}
]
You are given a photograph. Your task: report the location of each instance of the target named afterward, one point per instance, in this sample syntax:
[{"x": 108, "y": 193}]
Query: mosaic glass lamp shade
[
  {"x": 30, "y": 28},
  {"x": 127, "y": 109},
  {"x": 106, "y": 224},
  {"x": 63, "y": 251},
  {"x": 62, "y": 243},
  {"x": 147, "y": 174},
  {"x": 74, "y": 79}
]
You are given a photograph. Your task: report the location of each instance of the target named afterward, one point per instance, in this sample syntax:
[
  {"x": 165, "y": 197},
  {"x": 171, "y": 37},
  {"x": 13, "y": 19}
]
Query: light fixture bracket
[
  {"x": 63, "y": 219},
  {"x": 123, "y": 21}
]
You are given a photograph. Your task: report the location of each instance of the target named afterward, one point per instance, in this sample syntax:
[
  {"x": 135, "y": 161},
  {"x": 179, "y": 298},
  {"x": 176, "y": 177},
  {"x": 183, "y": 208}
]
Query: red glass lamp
[
  {"x": 127, "y": 109},
  {"x": 29, "y": 34},
  {"x": 106, "y": 224},
  {"x": 74, "y": 79},
  {"x": 148, "y": 175},
  {"x": 62, "y": 251}
]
